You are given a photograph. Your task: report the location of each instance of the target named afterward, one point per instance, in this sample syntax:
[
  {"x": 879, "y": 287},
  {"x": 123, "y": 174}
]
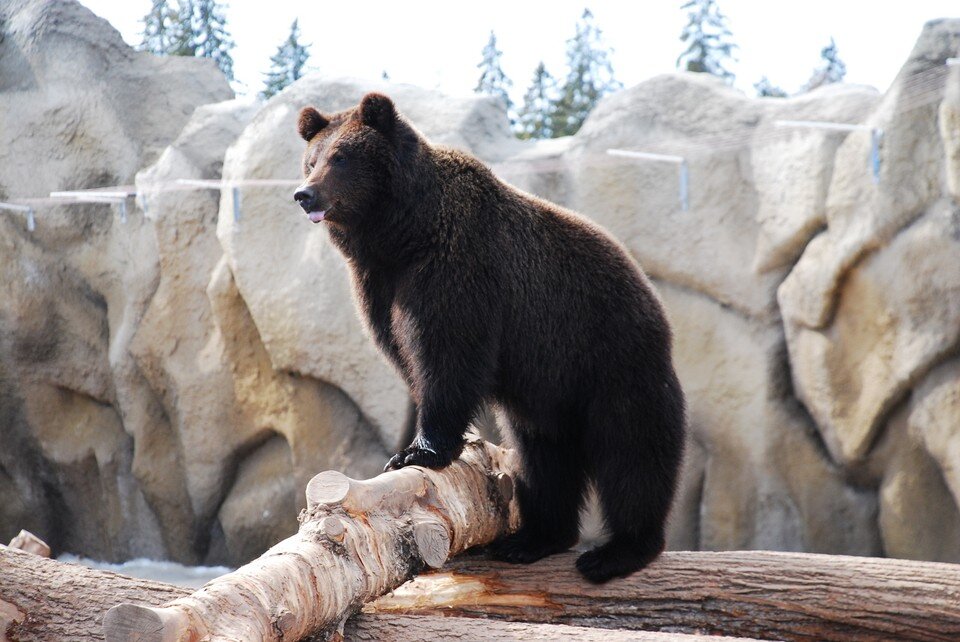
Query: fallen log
[
  {"x": 43, "y": 600},
  {"x": 401, "y": 628},
  {"x": 357, "y": 540},
  {"x": 753, "y": 594}
]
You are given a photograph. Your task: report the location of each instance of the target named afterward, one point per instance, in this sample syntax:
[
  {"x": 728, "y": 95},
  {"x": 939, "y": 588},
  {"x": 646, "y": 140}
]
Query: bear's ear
[
  {"x": 310, "y": 122},
  {"x": 377, "y": 111}
]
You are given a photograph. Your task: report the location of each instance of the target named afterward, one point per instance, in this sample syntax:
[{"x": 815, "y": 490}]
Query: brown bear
[{"x": 478, "y": 292}]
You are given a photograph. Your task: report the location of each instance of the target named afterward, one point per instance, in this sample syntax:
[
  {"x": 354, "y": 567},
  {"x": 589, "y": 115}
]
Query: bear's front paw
[{"x": 425, "y": 456}]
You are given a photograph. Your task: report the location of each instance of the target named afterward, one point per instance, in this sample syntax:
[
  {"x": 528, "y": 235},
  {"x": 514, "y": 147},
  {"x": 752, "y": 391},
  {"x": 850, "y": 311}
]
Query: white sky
[{"x": 433, "y": 43}]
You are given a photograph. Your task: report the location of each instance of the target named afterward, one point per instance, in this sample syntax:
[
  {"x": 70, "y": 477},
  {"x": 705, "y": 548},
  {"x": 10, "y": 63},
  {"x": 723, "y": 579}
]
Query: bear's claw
[{"x": 418, "y": 456}]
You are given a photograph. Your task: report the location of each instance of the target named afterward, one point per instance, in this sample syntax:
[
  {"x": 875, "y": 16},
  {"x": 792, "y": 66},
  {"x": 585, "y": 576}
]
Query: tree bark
[
  {"x": 401, "y": 628},
  {"x": 43, "y": 600},
  {"x": 357, "y": 541},
  {"x": 753, "y": 594}
]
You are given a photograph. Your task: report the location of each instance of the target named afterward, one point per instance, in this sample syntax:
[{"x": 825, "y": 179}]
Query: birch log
[{"x": 357, "y": 540}]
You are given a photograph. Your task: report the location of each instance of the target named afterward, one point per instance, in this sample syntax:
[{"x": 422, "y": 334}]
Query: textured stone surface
[
  {"x": 897, "y": 314},
  {"x": 862, "y": 215},
  {"x": 73, "y": 114},
  {"x": 260, "y": 509},
  {"x": 950, "y": 130},
  {"x": 935, "y": 418},
  {"x": 168, "y": 386},
  {"x": 749, "y": 209},
  {"x": 75, "y": 96},
  {"x": 765, "y": 483},
  {"x": 918, "y": 517}
]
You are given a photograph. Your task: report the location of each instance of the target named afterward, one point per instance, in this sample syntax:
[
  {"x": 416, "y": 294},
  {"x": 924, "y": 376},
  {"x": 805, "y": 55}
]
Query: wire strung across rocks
[
  {"x": 919, "y": 91},
  {"x": 119, "y": 195}
]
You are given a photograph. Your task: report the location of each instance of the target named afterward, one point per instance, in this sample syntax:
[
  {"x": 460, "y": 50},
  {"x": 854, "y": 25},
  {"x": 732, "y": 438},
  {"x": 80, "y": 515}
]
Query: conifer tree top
[
  {"x": 493, "y": 81},
  {"x": 590, "y": 77},
  {"x": 287, "y": 64},
  {"x": 708, "y": 40}
]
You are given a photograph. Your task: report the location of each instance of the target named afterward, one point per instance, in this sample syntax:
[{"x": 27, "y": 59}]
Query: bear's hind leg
[
  {"x": 550, "y": 491},
  {"x": 635, "y": 460}
]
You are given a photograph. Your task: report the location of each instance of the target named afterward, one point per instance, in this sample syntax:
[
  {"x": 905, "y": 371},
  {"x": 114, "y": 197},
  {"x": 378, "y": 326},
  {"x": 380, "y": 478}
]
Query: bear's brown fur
[{"x": 479, "y": 292}]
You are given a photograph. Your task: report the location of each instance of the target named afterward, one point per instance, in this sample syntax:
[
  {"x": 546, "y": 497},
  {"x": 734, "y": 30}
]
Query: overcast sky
[{"x": 438, "y": 43}]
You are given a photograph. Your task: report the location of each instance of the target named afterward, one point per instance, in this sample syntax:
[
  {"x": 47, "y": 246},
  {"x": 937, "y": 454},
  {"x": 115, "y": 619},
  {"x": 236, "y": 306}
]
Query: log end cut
[
  {"x": 433, "y": 541},
  {"x": 134, "y": 623},
  {"x": 327, "y": 489}
]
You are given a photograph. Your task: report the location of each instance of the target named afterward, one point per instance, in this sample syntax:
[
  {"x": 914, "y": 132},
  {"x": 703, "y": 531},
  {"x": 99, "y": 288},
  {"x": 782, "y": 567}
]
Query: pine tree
[
  {"x": 831, "y": 70},
  {"x": 211, "y": 37},
  {"x": 535, "y": 119},
  {"x": 286, "y": 66},
  {"x": 159, "y": 28},
  {"x": 590, "y": 77},
  {"x": 766, "y": 89},
  {"x": 708, "y": 40},
  {"x": 493, "y": 82},
  {"x": 183, "y": 40},
  {"x": 193, "y": 28}
]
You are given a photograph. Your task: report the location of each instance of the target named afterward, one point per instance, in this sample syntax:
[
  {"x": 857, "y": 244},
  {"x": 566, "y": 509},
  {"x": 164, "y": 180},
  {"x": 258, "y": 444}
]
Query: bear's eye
[{"x": 338, "y": 159}]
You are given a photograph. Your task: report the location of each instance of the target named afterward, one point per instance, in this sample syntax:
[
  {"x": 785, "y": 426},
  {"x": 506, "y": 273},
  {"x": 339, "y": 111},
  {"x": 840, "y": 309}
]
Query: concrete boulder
[
  {"x": 169, "y": 385},
  {"x": 897, "y": 313},
  {"x": 79, "y": 108},
  {"x": 750, "y": 211}
]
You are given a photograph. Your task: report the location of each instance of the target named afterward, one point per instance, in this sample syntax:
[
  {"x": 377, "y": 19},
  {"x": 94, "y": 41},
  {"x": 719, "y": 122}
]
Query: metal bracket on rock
[
  {"x": 876, "y": 137},
  {"x": 28, "y": 210},
  {"x": 118, "y": 198},
  {"x": 680, "y": 161}
]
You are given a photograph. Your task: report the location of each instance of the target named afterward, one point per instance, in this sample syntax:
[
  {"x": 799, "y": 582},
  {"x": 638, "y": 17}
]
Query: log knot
[{"x": 283, "y": 621}]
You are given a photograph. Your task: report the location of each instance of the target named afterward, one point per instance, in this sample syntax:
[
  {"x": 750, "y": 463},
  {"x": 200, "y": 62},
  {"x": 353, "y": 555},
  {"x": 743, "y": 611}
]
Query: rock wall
[
  {"x": 168, "y": 385},
  {"x": 79, "y": 108}
]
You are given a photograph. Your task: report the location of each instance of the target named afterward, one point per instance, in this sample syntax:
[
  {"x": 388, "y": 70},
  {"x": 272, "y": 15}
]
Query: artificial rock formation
[
  {"x": 167, "y": 384},
  {"x": 79, "y": 108}
]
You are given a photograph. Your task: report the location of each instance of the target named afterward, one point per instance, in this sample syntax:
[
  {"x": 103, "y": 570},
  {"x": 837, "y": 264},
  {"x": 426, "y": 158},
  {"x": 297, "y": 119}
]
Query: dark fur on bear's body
[{"x": 480, "y": 292}]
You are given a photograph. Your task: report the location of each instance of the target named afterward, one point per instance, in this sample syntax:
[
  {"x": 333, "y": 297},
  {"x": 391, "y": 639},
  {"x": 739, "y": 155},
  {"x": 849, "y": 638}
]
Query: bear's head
[{"x": 353, "y": 162}]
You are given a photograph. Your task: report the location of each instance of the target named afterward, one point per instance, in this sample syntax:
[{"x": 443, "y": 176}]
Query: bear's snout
[{"x": 307, "y": 197}]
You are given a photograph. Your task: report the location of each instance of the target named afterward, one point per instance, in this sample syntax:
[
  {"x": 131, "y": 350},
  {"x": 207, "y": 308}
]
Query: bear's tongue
[{"x": 316, "y": 217}]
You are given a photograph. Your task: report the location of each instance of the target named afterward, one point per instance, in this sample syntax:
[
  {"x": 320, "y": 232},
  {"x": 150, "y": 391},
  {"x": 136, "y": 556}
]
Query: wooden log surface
[
  {"x": 42, "y": 600},
  {"x": 750, "y": 594},
  {"x": 357, "y": 540},
  {"x": 361, "y": 539},
  {"x": 404, "y": 628},
  {"x": 753, "y": 594}
]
